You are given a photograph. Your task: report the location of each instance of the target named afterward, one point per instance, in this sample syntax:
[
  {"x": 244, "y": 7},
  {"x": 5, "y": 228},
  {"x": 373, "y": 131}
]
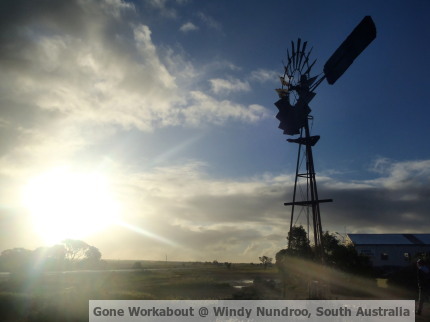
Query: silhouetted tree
[
  {"x": 75, "y": 249},
  {"x": 299, "y": 242},
  {"x": 50, "y": 258},
  {"x": 336, "y": 254},
  {"x": 344, "y": 257},
  {"x": 81, "y": 254},
  {"x": 93, "y": 254},
  {"x": 92, "y": 258},
  {"x": 57, "y": 252},
  {"x": 16, "y": 260},
  {"x": 296, "y": 259},
  {"x": 21, "y": 261},
  {"x": 299, "y": 248},
  {"x": 265, "y": 261}
]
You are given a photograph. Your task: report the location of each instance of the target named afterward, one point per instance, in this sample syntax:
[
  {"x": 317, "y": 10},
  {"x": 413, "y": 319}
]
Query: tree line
[
  {"x": 69, "y": 254},
  {"x": 336, "y": 254}
]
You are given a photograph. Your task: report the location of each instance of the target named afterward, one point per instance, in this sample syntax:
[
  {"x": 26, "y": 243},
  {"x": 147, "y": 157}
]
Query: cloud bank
[
  {"x": 95, "y": 62},
  {"x": 239, "y": 220}
]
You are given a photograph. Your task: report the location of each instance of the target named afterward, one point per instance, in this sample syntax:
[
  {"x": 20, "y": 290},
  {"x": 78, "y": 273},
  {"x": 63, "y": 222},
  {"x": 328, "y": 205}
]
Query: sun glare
[{"x": 66, "y": 204}]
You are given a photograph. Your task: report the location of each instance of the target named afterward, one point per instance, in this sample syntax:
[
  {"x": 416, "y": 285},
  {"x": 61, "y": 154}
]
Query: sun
[{"x": 66, "y": 204}]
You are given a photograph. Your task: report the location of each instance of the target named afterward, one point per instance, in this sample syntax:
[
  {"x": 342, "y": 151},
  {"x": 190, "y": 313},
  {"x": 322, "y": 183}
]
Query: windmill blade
[
  {"x": 288, "y": 70},
  {"x": 282, "y": 92},
  {"x": 302, "y": 54},
  {"x": 289, "y": 63},
  {"x": 298, "y": 52},
  {"x": 285, "y": 114},
  {"x": 288, "y": 56},
  {"x": 304, "y": 46},
  {"x": 306, "y": 59},
  {"x": 285, "y": 70},
  {"x": 310, "y": 67}
]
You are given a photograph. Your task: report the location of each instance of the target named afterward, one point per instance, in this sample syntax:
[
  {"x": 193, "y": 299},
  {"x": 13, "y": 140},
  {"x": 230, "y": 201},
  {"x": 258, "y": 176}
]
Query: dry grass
[{"x": 65, "y": 296}]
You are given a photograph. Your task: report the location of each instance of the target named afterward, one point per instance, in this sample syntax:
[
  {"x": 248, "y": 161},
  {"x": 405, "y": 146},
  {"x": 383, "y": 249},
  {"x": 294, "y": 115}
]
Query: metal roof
[{"x": 390, "y": 239}]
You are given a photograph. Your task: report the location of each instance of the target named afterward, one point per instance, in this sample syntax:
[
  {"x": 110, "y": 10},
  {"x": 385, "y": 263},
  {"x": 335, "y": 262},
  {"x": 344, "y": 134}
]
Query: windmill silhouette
[{"x": 296, "y": 92}]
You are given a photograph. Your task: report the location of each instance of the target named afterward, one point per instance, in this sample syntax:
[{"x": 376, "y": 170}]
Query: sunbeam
[{"x": 147, "y": 233}]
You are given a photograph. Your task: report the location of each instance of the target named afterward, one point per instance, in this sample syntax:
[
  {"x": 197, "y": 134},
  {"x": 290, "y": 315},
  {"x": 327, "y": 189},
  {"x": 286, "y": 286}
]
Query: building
[{"x": 391, "y": 250}]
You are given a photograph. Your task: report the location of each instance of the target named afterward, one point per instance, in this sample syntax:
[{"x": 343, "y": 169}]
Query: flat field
[{"x": 64, "y": 296}]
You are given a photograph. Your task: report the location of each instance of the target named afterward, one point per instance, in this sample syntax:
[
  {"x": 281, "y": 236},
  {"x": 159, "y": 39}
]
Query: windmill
[{"x": 297, "y": 91}]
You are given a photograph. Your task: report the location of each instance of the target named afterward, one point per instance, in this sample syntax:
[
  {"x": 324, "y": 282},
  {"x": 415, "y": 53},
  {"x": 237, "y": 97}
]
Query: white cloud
[
  {"x": 163, "y": 7},
  {"x": 401, "y": 175},
  {"x": 231, "y": 84},
  {"x": 264, "y": 75},
  {"x": 219, "y": 85},
  {"x": 189, "y": 26},
  {"x": 205, "y": 107},
  {"x": 89, "y": 76},
  {"x": 116, "y": 8},
  {"x": 385, "y": 203}
]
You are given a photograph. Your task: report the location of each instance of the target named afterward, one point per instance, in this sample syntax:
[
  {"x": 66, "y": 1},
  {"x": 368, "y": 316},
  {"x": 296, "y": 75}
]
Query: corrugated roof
[{"x": 390, "y": 239}]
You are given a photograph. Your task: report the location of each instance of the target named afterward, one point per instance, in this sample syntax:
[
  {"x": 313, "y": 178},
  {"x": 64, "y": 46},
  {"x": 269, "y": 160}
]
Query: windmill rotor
[{"x": 295, "y": 93}]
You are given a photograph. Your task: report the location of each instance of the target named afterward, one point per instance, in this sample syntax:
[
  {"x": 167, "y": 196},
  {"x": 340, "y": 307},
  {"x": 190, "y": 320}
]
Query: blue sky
[{"x": 158, "y": 116}]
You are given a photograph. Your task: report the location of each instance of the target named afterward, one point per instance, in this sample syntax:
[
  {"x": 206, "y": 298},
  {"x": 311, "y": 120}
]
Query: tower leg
[
  {"x": 312, "y": 188},
  {"x": 294, "y": 191},
  {"x": 312, "y": 200}
]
